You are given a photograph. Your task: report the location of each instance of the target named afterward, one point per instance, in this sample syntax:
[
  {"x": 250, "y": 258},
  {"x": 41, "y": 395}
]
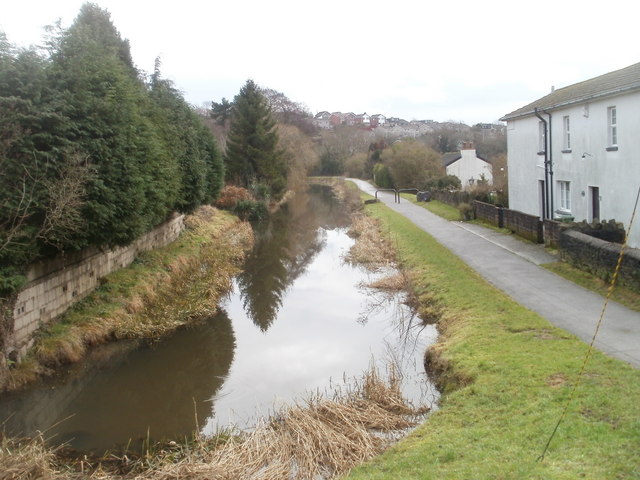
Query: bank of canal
[{"x": 299, "y": 320}]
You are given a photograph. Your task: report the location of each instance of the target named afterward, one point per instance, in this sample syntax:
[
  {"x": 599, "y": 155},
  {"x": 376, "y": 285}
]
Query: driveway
[{"x": 513, "y": 266}]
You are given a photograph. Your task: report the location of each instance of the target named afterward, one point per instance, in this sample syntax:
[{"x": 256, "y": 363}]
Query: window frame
[
  {"x": 612, "y": 126},
  {"x": 566, "y": 134},
  {"x": 564, "y": 196},
  {"x": 542, "y": 138}
]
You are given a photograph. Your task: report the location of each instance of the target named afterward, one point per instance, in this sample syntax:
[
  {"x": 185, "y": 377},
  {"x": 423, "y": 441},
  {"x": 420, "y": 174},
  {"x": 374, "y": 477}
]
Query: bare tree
[{"x": 57, "y": 202}]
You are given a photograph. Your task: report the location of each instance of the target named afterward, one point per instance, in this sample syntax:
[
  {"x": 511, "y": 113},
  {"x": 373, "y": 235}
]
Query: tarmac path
[{"x": 513, "y": 266}]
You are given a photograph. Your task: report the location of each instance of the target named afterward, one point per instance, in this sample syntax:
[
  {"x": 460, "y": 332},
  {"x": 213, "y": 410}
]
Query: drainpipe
[
  {"x": 551, "y": 203},
  {"x": 545, "y": 213}
]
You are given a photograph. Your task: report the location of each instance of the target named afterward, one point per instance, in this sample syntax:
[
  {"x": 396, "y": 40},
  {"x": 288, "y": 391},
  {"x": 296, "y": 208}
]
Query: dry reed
[
  {"x": 371, "y": 250},
  {"x": 320, "y": 438},
  {"x": 29, "y": 459},
  {"x": 323, "y": 438}
]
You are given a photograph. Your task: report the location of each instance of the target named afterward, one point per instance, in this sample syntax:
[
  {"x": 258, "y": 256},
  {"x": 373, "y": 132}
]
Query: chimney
[
  {"x": 553, "y": 88},
  {"x": 467, "y": 146}
]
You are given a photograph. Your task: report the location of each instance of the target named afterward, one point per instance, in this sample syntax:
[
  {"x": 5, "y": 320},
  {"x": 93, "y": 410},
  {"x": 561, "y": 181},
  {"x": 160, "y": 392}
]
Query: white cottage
[
  {"x": 575, "y": 153},
  {"x": 468, "y": 167}
]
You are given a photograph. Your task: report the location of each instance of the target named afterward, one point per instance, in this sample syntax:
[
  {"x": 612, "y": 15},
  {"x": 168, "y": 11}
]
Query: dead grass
[
  {"x": 26, "y": 460},
  {"x": 322, "y": 438},
  {"x": 165, "y": 290},
  {"x": 371, "y": 250},
  {"x": 392, "y": 283},
  {"x": 319, "y": 438}
]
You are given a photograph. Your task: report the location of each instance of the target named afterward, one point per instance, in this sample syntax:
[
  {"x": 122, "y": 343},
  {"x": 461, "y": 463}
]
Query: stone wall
[
  {"x": 600, "y": 257},
  {"x": 552, "y": 230},
  {"x": 454, "y": 198},
  {"x": 56, "y": 284},
  {"x": 524, "y": 225},
  {"x": 489, "y": 213}
]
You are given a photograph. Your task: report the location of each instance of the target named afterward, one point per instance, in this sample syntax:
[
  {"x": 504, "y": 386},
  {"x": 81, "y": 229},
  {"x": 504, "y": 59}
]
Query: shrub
[
  {"x": 251, "y": 210},
  {"x": 231, "y": 195},
  {"x": 466, "y": 211},
  {"x": 381, "y": 176},
  {"x": 261, "y": 191}
]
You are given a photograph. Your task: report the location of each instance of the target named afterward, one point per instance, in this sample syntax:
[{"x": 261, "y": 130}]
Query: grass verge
[
  {"x": 620, "y": 294},
  {"x": 160, "y": 291},
  {"x": 506, "y": 375}
]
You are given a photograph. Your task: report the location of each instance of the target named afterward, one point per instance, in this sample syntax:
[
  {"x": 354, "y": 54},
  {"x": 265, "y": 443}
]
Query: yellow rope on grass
[{"x": 587, "y": 356}]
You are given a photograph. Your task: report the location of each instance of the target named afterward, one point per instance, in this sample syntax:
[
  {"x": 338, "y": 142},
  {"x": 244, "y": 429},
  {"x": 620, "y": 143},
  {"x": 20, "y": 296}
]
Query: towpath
[{"x": 513, "y": 266}]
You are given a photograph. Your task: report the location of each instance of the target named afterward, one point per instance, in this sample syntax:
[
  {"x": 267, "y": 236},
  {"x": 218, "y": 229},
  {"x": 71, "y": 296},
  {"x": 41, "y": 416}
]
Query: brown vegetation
[
  {"x": 230, "y": 195},
  {"x": 322, "y": 438},
  {"x": 166, "y": 289}
]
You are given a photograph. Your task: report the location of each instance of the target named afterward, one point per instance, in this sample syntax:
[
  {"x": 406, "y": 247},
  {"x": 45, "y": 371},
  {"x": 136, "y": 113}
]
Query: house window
[
  {"x": 565, "y": 196},
  {"x": 612, "y": 117},
  {"x": 566, "y": 134},
  {"x": 542, "y": 138}
]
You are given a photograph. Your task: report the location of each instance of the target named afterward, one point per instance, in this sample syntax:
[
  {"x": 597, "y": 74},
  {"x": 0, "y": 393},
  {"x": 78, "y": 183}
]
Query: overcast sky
[{"x": 469, "y": 61}]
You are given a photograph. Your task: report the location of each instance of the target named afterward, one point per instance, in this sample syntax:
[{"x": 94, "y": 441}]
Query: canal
[{"x": 300, "y": 321}]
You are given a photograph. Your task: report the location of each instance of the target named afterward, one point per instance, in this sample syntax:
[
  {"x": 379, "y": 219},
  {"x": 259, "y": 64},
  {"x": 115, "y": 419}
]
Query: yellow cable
[{"x": 595, "y": 334}]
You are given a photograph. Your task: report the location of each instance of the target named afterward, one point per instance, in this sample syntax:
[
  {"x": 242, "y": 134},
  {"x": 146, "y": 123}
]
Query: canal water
[{"x": 300, "y": 321}]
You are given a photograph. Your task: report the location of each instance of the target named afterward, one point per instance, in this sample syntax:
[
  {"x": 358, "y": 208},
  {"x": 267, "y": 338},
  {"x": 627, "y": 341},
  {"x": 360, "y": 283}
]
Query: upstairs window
[
  {"x": 566, "y": 134},
  {"x": 542, "y": 138},
  {"x": 612, "y": 119}
]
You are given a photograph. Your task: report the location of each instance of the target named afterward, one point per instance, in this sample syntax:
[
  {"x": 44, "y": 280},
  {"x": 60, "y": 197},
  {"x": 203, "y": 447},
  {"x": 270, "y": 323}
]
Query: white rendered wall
[{"x": 616, "y": 173}]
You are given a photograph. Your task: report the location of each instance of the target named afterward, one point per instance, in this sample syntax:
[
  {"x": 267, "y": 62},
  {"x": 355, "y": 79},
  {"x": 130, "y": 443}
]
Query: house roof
[
  {"x": 449, "y": 158},
  {"x": 612, "y": 83},
  {"x": 452, "y": 157}
]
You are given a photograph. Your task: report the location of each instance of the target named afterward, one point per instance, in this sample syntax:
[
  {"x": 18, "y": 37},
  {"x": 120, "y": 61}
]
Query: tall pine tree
[{"x": 252, "y": 154}]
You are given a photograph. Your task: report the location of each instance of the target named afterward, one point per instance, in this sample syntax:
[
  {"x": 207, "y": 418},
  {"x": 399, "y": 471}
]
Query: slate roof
[
  {"x": 449, "y": 158},
  {"x": 452, "y": 157},
  {"x": 618, "y": 81}
]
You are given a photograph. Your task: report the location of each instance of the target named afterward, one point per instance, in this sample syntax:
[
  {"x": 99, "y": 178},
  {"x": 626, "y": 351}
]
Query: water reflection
[
  {"x": 293, "y": 325},
  {"x": 158, "y": 390},
  {"x": 285, "y": 245}
]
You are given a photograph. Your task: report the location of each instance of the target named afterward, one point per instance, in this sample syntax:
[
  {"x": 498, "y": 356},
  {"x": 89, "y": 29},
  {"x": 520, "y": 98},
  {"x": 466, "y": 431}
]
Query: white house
[
  {"x": 576, "y": 152},
  {"x": 468, "y": 166}
]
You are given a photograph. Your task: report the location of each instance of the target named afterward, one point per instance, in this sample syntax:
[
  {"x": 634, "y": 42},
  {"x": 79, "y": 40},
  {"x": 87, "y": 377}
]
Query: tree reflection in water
[{"x": 285, "y": 245}]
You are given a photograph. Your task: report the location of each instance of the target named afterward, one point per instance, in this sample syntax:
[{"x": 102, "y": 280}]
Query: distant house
[
  {"x": 336, "y": 119},
  {"x": 350, "y": 119},
  {"x": 576, "y": 152},
  {"x": 378, "y": 120},
  {"x": 322, "y": 119},
  {"x": 467, "y": 166},
  {"x": 395, "y": 121},
  {"x": 363, "y": 119}
]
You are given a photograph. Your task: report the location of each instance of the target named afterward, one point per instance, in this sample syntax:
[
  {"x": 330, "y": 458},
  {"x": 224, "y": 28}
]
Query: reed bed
[
  {"x": 323, "y": 437},
  {"x": 371, "y": 250}
]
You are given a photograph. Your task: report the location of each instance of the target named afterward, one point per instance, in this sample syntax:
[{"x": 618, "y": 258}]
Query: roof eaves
[{"x": 573, "y": 101}]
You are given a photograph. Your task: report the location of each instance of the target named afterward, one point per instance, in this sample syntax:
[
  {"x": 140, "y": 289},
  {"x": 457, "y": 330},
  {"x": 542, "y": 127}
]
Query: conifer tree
[{"x": 252, "y": 154}]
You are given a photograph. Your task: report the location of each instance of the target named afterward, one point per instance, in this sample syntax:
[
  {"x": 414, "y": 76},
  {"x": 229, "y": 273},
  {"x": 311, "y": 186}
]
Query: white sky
[{"x": 470, "y": 61}]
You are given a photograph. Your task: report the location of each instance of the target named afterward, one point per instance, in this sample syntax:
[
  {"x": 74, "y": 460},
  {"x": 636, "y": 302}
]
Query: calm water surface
[{"x": 299, "y": 321}]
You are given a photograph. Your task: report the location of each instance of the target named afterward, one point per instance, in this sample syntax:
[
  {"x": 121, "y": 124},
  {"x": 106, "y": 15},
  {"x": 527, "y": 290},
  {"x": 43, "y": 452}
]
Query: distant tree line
[{"x": 92, "y": 152}]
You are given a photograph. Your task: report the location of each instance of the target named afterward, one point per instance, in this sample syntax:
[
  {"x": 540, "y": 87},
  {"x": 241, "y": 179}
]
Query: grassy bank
[
  {"x": 162, "y": 290},
  {"x": 506, "y": 375}
]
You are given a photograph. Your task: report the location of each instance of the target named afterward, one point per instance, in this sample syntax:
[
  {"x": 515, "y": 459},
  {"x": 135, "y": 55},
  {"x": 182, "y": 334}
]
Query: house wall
[
  {"x": 470, "y": 166},
  {"x": 615, "y": 173}
]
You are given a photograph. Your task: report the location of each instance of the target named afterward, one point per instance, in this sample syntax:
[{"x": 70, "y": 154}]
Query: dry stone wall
[{"x": 54, "y": 285}]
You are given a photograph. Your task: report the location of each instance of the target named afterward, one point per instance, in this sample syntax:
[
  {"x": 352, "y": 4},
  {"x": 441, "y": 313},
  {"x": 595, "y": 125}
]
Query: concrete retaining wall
[{"x": 54, "y": 285}]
